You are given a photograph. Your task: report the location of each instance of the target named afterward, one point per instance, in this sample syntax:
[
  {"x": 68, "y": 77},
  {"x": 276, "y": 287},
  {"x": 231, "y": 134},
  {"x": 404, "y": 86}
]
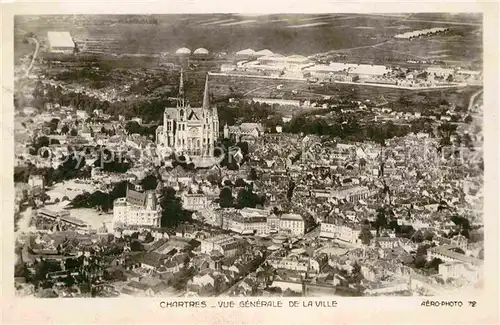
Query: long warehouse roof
[{"x": 60, "y": 39}]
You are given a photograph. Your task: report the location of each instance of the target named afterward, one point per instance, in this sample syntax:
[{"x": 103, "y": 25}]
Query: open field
[
  {"x": 92, "y": 217},
  {"x": 222, "y": 86},
  {"x": 286, "y": 34},
  {"x": 69, "y": 189}
]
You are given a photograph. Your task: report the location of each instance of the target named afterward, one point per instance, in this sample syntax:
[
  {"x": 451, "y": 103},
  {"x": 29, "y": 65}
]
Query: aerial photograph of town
[{"x": 231, "y": 155}]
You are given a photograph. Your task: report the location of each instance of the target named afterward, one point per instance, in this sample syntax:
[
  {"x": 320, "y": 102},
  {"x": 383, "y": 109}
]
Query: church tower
[
  {"x": 181, "y": 97},
  {"x": 190, "y": 130},
  {"x": 206, "y": 96},
  {"x": 213, "y": 112}
]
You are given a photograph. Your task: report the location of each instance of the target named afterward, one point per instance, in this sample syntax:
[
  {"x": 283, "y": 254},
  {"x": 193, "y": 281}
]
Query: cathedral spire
[
  {"x": 181, "y": 89},
  {"x": 181, "y": 84},
  {"x": 206, "y": 95}
]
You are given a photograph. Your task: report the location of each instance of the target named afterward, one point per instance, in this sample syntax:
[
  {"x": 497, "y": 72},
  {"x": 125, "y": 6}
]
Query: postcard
[{"x": 206, "y": 163}]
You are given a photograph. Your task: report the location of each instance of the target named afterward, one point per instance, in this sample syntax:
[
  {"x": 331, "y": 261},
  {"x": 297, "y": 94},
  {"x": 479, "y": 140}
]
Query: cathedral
[{"x": 187, "y": 130}]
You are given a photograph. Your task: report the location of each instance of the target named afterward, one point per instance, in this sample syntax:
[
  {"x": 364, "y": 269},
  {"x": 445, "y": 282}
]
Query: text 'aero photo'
[{"x": 225, "y": 155}]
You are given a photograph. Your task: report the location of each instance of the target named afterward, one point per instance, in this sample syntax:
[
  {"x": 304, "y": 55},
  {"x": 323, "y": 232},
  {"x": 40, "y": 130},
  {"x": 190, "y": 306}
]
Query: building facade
[
  {"x": 247, "y": 132},
  {"x": 189, "y": 130},
  {"x": 351, "y": 193},
  {"x": 293, "y": 223},
  {"x": 36, "y": 181},
  {"x": 246, "y": 221},
  {"x": 194, "y": 201},
  {"x": 340, "y": 230},
  {"x": 224, "y": 244},
  {"x": 137, "y": 209}
]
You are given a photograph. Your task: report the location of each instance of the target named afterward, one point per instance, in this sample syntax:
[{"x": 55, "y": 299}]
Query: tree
[
  {"x": 149, "y": 238},
  {"x": 289, "y": 192},
  {"x": 253, "y": 174},
  {"x": 21, "y": 270},
  {"x": 39, "y": 143},
  {"x": 43, "y": 268},
  {"x": 111, "y": 162},
  {"x": 434, "y": 264},
  {"x": 52, "y": 124},
  {"x": 136, "y": 246},
  {"x": 419, "y": 261},
  {"x": 173, "y": 213},
  {"x": 418, "y": 237},
  {"x": 463, "y": 223},
  {"x": 248, "y": 199},
  {"x": 226, "y": 198},
  {"x": 240, "y": 183},
  {"x": 449, "y": 78},
  {"x": 72, "y": 264},
  {"x": 381, "y": 219},
  {"x": 214, "y": 179},
  {"x": 468, "y": 119},
  {"x": 244, "y": 148},
  {"x": 422, "y": 250},
  {"x": 73, "y": 132},
  {"x": 428, "y": 235},
  {"x": 149, "y": 182},
  {"x": 44, "y": 197},
  {"x": 133, "y": 127},
  {"x": 64, "y": 129},
  {"x": 366, "y": 236},
  {"x": 69, "y": 281},
  {"x": 467, "y": 141}
]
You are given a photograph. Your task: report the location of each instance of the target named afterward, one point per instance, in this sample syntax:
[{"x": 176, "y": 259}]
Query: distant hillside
[{"x": 285, "y": 34}]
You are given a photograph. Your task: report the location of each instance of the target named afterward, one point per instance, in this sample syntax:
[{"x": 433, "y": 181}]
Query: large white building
[
  {"x": 351, "y": 193},
  {"x": 458, "y": 269},
  {"x": 60, "y": 42},
  {"x": 224, "y": 244},
  {"x": 341, "y": 230},
  {"x": 137, "y": 209},
  {"x": 194, "y": 201},
  {"x": 446, "y": 254},
  {"x": 293, "y": 223},
  {"x": 189, "y": 130},
  {"x": 287, "y": 62},
  {"x": 247, "y": 221}
]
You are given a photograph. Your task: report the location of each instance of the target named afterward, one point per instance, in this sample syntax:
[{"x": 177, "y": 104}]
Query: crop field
[
  {"x": 345, "y": 37},
  {"x": 223, "y": 86},
  {"x": 285, "y": 34}
]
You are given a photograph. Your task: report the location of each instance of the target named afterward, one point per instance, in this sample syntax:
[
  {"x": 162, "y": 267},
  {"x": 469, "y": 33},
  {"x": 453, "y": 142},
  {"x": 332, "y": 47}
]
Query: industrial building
[
  {"x": 183, "y": 51},
  {"x": 423, "y": 32},
  {"x": 245, "y": 53},
  {"x": 287, "y": 62},
  {"x": 61, "y": 42},
  {"x": 201, "y": 52},
  {"x": 265, "y": 52}
]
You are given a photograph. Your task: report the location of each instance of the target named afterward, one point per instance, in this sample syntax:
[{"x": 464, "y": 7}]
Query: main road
[
  {"x": 473, "y": 98},
  {"x": 35, "y": 53}
]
